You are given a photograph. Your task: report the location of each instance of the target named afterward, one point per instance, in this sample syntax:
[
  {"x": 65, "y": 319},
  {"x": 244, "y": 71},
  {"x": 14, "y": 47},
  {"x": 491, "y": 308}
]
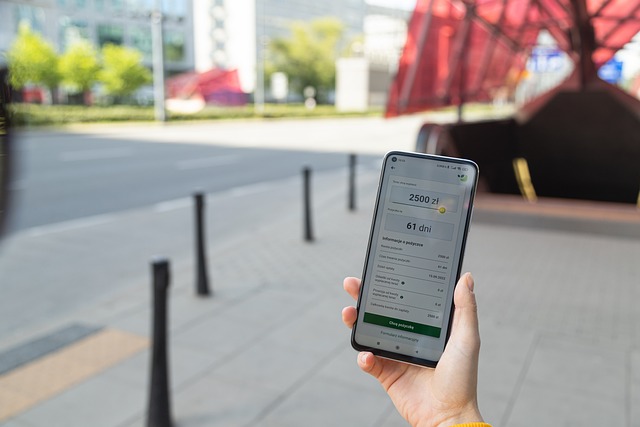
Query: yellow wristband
[{"x": 472, "y": 425}]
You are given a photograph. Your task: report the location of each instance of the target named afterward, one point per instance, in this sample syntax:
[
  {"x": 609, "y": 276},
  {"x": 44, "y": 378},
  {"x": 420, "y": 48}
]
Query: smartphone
[{"x": 414, "y": 256}]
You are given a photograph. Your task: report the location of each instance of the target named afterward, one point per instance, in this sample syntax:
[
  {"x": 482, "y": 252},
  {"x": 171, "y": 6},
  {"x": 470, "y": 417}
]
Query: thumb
[{"x": 465, "y": 317}]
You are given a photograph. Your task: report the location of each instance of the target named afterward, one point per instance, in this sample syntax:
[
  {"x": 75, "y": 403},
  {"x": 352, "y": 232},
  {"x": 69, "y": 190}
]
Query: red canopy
[
  {"x": 215, "y": 86},
  {"x": 463, "y": 50}
]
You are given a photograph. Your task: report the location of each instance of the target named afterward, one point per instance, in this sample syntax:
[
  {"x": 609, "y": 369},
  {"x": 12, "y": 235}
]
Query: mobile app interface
[{"x": 411, "y": 272}]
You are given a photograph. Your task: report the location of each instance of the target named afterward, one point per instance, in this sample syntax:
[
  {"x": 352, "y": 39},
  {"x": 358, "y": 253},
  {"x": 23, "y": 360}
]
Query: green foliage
[
  {"x": 308, "y": 56},
  {"x": 122, "y": 70},
  {"x": 57, "y": 115},
  {"x": 32, "y": 59},
  {"x": 79, "y": 66}
]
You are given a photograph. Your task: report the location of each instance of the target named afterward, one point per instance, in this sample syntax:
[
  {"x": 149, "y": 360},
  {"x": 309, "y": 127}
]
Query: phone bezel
[{"x": 467, "y": 222}]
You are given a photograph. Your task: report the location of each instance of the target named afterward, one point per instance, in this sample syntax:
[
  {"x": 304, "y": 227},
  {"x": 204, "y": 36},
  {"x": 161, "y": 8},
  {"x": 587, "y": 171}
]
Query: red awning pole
[
  {"x": 584, "y": 42},
  {"x": 464, "y": 57},
  {"x": 407, "y": 86}
]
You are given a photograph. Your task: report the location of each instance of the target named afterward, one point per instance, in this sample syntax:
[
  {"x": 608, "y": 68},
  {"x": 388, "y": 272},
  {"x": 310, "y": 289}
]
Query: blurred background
[{"x": 246, "y": 52}]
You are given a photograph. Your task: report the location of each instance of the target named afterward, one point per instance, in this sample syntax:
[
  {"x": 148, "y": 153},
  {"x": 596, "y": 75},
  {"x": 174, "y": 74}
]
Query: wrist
[{"x": 468, "y": 418}]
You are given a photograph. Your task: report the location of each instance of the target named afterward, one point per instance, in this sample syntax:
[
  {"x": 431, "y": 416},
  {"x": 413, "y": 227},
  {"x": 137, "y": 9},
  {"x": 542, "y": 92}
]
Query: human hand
[{"x": 442, "y": 396}]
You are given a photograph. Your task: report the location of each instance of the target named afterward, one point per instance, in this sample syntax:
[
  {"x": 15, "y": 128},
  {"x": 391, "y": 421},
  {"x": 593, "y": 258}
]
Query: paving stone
[
  {"x": 634, "y": 394},
  {"x": 546, "y": 406},
  {"x": 97, "y": 402},
  {"x": 215, "y": 401},
  {"x": 323, "y": 402}
]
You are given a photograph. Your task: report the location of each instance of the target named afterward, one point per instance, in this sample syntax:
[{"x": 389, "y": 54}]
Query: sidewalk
[
  {"x": 558, "y": 314},
  {"x": 267, "y": 348}
]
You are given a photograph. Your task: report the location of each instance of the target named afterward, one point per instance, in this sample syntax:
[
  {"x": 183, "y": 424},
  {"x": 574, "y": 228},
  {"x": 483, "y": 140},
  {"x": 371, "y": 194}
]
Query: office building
[
  {"x": 203, "y": 34},
  {"x": 121, "y": 22},
  {"x": 234, "y": 33}
]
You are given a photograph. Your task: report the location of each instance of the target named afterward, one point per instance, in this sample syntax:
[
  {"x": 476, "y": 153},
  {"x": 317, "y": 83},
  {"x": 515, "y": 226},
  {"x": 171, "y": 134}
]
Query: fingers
[
  {"x": 384, "y": 370},
  {"x": 349, "y": 315},
  {"x": 352, "y": 286},
  {"x": 369, "y": 363}
]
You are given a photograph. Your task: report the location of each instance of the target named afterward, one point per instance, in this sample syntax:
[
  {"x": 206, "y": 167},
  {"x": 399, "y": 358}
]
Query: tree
[
  {"x": 31, "y": 59},
  {"x": 308, "y": 57},
  {"x": 122, "y": 70},
  {"x": 79, "y": 67}
]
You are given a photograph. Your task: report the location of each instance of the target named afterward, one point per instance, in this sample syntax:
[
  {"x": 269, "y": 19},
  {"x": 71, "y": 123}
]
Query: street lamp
[
  {"x": 261, "y": 46},
  {"x": 158, "y": 62}
]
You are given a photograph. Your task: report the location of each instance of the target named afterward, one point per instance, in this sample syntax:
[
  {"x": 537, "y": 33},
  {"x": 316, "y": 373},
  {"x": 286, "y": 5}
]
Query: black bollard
[
  {"x": 352, "y": 182},
  {"x": 306, "y": 177},
  {"x": 159, "y": 409},
  {"x": 202, "y": 279}
]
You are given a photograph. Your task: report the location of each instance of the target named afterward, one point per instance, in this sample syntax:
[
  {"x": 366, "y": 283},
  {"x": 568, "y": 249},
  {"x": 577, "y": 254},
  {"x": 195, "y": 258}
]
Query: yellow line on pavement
[{"x": 43, "y": 378}]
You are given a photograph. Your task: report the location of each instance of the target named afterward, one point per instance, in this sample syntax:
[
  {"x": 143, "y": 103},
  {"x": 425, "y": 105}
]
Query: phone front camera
[{"x": 394, "y": 159}]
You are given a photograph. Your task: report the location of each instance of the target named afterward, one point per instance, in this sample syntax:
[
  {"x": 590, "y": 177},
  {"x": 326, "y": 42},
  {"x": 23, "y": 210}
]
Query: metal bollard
[
  {"x": 306, "y": 178},
  {"x": 352, "y": 182},
  {"x": 159, "y": 409},
  {"x": 202, "y": 279}
]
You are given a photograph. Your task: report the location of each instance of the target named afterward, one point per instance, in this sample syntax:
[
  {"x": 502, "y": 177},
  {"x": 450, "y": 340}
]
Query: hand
[{"x": 442, "y": 396}]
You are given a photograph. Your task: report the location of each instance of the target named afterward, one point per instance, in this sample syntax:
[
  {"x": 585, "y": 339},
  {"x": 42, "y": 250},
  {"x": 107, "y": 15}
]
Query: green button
[{"x": 403, "y": 325}]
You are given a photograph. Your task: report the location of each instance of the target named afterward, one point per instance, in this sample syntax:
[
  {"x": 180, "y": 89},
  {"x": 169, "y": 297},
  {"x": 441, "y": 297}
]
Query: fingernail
[
  {"x": 363, "y": 360},
  {"x": 470, "y": 282}
]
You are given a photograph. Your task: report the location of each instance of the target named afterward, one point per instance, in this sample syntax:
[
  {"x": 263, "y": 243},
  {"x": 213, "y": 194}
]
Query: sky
[{"x": 399, "y": 4}]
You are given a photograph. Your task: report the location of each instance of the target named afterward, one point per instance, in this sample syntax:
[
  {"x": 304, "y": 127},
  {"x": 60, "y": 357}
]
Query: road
[
  {"x": 93, "y": 205},
  {"x": 62, "y": 177}
]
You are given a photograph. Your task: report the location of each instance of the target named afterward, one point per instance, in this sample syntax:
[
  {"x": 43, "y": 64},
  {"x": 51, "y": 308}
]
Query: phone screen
[{"x": 414, "y": 257}]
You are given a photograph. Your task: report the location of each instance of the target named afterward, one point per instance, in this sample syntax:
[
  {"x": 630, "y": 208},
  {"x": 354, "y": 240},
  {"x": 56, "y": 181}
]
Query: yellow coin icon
[{"x": 442, "y": 209}]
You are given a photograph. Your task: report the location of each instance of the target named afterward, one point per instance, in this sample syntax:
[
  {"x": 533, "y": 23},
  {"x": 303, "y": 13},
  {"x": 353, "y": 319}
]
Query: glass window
[
  {"x": 134, "y": 5},
  {"x": 71, "y": 31},
  {"x": 138, "y": 7},
  {"x": 174, "y": 46},
  {"x": 147, "y": 5},
  {"x": 117, "y": 4},
  {"x": 141, "y": 40},
  {"x": 177, "y": 8},
  {"x": 34, "y": 16},
  {"x": 80, "y": 4},
  {"x": 99, "y": 5},
  {"x": 167, "y": 6},
  {"x": 109, "y": 33},
  {"x": 181, "y": 9}
]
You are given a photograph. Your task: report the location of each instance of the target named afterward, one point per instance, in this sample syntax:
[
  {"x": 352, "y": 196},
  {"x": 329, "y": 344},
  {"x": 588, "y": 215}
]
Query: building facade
[
  {"x": 225, "y": 37},
  {"x": 235, "y": 33},
  {"x": 121, "y": 22},
  {"x": 204, "y": 34}
]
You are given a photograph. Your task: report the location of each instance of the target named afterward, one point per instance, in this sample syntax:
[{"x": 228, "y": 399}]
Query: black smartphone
[{"x": 418, "y": 234}]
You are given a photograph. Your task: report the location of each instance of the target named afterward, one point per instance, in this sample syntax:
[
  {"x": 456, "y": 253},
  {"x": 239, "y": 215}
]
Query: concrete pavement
[{"x": 558, "y": 314}]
